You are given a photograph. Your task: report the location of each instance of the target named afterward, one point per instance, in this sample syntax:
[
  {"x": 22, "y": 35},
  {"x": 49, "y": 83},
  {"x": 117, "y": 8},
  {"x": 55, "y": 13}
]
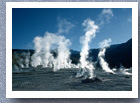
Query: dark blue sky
[{"x": 28, "y": 23}]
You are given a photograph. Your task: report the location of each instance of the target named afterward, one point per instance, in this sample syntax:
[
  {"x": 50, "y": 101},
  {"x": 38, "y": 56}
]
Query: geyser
[
  {"x": 21, "y": 60},
  {"x": 104, "y": 45},
  {"x": 125, "y": 71},
  {"x": 43, "y": 55},
  {"x": 87, "y": 68}
]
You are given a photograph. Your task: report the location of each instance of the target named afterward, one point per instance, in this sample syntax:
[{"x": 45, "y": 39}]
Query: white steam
[
  {"x": 21, "y": 60},
  {"x": 64, "y": 26},
  {"x": 105, "y": 16},
  {"x": 122, "y": 70},
  {"x": 44, "y": 46},
  {"x": 36, "y": 58},
  {"x": 85, "y": 65},
  {"x": 63, "y": 58},
  {"x": 103, "y": 45},
  {"x": 125, "y": 71}
]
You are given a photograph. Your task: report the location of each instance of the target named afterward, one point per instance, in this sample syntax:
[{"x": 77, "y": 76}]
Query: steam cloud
[
  {"x": 85, "y": 65},
  {"x": 122, "y": 70},
  {"x": 105, "y": 16},
  {"x": 64, "y": 26},
  {"x": 43, "y": 51},
  {"x": 21, "y": 60},
  {"x": 104, "y": 45}
]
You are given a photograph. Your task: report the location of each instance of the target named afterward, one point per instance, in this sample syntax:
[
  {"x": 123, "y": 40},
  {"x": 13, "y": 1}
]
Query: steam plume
[
  {"x": 90, "y": 29},
  {"x": 103, "y": 45},
  {"x": 36, "y": 58},
  {"x": 43, "y": 51},
  {"x": 21, "y": 60},
  {"x": 122, "y": 70}
]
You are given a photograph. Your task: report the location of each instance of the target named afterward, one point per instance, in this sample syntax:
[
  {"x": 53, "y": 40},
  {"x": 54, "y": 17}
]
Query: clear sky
[{"x": 28, "y": 23}]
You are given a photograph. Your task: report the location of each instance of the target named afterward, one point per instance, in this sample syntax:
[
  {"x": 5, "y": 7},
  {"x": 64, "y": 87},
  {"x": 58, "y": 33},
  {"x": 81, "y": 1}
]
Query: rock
[
  {"x": 127, "y": 77},
  {"x": 92, "y": 80},
  {"x": 111, "y": 73}
]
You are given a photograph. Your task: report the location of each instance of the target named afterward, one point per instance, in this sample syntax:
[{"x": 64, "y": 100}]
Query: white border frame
[{"x": 71, "y": 94}]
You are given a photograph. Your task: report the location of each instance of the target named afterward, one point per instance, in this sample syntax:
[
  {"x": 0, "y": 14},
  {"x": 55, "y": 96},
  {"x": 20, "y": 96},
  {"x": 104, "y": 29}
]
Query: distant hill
[
  {"x": 116, "y": 55},
  {"x": 120, "y": 54}
]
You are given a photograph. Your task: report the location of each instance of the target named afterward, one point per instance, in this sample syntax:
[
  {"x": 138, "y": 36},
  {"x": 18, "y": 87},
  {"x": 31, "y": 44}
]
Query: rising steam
[
  {"x": 104, "y": 45},
  {"x": 122, "y": 70},
  {"x": 85, "y": 65},
  {"x": 21, "y": 60},
  {"x": 43, "y": 52},
  {"x": 125, "y": 71}
]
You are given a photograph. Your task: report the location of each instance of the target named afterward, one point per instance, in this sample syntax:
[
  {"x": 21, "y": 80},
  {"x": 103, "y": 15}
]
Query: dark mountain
[
  {"x": 120, "y": 54},
  {"x": 75, "y": 56},
  {"x": 116, "y": 55},
  {"x": 22, "y": 50}
]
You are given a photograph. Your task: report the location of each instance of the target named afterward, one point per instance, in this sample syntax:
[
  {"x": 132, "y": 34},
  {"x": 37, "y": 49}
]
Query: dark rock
[
  {"x": 93, "y": 80},
  {"x": 127, "y": 77},
  {"x": 111, "y": 73}
]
